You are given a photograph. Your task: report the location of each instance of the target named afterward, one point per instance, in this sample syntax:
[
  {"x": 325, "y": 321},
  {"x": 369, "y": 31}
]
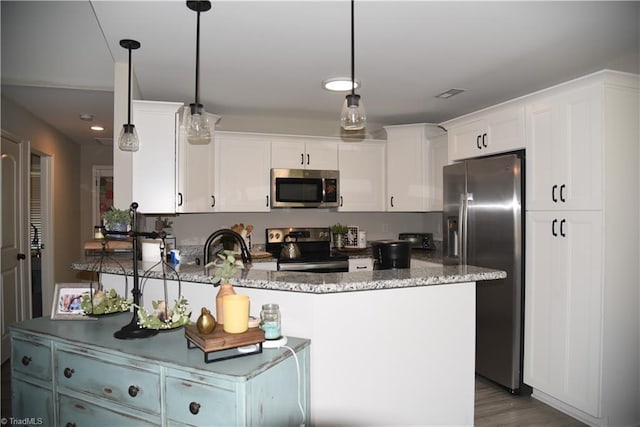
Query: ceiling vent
[{"x": 448, "y": 94}]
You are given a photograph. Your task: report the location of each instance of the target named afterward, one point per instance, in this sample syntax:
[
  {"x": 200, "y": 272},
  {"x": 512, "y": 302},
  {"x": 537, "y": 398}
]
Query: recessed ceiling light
[
  {"x": 97, "y": 128},
  {"x": 339, "y": 84},
  {"x": 86, "y": 117},
  {"x": 448, "y": 94}
]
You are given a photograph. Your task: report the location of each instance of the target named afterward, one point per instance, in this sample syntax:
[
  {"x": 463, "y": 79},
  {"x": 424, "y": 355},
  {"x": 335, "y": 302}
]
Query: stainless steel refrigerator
[{"x": 483, "y": 226}]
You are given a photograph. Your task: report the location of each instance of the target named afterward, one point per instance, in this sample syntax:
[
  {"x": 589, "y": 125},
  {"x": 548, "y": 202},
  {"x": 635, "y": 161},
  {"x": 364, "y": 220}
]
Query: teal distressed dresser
[{"x": 75, "y": 373}]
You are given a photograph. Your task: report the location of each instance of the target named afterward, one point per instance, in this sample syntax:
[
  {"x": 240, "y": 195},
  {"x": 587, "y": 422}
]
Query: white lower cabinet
[
  {"x": 362, "y": 172},
  {"x": 563, "y": 306},
  {"x": 242, "y": 172}
]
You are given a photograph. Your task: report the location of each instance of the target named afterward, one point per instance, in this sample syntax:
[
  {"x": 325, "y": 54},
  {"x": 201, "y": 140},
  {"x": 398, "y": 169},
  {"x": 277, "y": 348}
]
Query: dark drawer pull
[
  {"x": 68, "y": 372},
  {"x": 194, "y": 408},
  {"x": 133, "y": 390},
  {"x": 70, "y": 425},
  {"x": 26, "y": 360}
]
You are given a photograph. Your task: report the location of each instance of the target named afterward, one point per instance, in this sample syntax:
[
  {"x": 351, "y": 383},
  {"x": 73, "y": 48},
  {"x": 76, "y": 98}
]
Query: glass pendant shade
[
  {"x": 198, "y": 126},
  {"x": 128, "y": 139},
  {"x": 353, "y": 116}
]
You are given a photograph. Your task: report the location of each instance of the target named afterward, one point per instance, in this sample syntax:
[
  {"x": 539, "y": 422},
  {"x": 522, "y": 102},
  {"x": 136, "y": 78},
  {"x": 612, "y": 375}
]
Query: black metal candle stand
[{"x": 133, "y": 329}]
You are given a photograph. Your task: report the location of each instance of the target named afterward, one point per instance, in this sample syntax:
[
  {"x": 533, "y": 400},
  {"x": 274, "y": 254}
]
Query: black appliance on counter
[
  {"x": 314, "y": 245},
  {"x": 390, "y": 254},
  {"x": 419, "y": 240}
]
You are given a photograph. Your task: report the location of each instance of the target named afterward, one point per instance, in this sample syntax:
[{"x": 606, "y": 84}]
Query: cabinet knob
[
  {"x": 194, "y": 408},
  {"x": 68, "y": 372},
  {"x": 133, "y": 390},
  {"x": 26, "y": 360}
]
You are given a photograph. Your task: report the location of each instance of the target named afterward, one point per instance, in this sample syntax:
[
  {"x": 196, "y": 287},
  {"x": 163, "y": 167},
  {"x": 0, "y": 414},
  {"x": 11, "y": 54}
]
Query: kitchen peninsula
[{"x": 387, "y": 347}]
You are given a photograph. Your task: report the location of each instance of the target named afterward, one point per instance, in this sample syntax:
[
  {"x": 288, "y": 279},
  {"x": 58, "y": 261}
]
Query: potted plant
[
  {"x": 226, "y": 267},
  {"x": 338, "y": 232},
  {"x": 115, "y": 219}
]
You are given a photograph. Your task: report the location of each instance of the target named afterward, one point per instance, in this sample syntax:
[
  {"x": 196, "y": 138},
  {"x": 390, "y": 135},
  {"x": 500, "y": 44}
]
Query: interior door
[{"x": 15, "y": 287}]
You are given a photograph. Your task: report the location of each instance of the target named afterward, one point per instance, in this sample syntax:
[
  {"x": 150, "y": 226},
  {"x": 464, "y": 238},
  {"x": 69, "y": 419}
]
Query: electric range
[{"x": 315, "y": 248}]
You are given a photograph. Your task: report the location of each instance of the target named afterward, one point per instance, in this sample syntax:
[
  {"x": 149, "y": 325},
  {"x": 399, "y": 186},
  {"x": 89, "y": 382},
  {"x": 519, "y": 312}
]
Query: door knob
[{"x": 21, "y": 257}]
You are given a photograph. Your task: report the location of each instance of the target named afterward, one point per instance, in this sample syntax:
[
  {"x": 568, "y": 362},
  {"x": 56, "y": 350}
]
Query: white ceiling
[{"x": 268, "y": 58}]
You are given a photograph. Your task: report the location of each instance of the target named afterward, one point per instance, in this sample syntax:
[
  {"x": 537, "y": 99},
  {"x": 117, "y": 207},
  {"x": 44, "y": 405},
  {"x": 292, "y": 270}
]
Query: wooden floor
[{"x": 494, "y": 407}]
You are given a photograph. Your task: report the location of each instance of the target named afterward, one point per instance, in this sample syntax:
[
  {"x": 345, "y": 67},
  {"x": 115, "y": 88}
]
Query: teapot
[{"x": 290, "y": 249}]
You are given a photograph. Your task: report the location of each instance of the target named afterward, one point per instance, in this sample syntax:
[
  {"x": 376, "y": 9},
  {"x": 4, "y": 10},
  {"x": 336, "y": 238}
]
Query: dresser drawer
[
  {"x": 32, "y": 357},
  {"x": 78, "y": 412},
  {"x": 118, "y": 380},
  {"x": 195, "y": 403}
]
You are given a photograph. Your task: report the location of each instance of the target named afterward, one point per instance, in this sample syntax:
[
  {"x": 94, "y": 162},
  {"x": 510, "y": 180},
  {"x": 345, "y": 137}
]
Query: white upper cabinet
[
  {"x": 412, "y": 168},
  {"x": 153, "y": 184},
  {"x": 488, "y": 132},
  {"x": 564, "y": 150},
  {"x": 362, "y": 176},
  {"x": 297, "y": 154},
  {"x": 196, "y": 178},
  {"x": 242, "y": 172}
]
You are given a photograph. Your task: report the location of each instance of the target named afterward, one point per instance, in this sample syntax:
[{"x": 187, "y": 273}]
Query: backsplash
[{"x": 193, "y": 229}]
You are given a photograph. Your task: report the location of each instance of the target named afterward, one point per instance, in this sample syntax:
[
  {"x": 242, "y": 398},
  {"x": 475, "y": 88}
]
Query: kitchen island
[{"x": 393, "y": 347}]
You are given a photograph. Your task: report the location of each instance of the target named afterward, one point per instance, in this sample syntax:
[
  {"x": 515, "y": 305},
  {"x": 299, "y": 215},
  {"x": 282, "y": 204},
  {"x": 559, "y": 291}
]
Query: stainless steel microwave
[{"x": 305, "y": 188}]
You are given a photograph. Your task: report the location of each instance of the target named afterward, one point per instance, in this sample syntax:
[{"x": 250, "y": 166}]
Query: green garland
[
  {"x": 105, "y": 303},
  {"x": 178, "y": 316}
]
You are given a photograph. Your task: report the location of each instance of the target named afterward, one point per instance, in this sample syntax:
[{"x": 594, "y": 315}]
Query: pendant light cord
[
  {"x": 353, "y": 67},
  {"x": 129, "y": 92},
  {"x": 198, "y": 61}
]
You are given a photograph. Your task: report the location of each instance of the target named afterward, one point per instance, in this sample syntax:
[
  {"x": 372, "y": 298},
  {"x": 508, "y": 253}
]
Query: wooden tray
[
  {"x": 218, "y": 340},
  {"x": 258, "y": 255}
]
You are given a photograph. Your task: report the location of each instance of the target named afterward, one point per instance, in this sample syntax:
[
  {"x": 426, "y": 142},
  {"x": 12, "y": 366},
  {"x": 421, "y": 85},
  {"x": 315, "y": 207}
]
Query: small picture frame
[{"x": 66, "y": 301}]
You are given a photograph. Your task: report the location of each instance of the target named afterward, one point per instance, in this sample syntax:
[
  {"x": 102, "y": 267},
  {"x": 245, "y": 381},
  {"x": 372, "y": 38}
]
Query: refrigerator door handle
[{"x": 463, "y": 221}]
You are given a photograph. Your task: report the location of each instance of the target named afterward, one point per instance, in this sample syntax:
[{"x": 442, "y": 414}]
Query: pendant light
[
  {"x": 128, "y": 140},
  {"x": 198, "y": 124},
  {"x": 353, "y": 116}
]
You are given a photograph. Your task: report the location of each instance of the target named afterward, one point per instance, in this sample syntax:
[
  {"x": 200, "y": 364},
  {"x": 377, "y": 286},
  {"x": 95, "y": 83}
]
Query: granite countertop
[{"x": 318, "y": 283}]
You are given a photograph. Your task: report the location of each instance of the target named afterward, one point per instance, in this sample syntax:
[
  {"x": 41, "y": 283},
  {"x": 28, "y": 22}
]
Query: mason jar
[{"x": 270, "y": 321}]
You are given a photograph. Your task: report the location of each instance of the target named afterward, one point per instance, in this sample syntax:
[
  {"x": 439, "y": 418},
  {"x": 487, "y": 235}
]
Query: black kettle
[{"x": 290, "y": 249}]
